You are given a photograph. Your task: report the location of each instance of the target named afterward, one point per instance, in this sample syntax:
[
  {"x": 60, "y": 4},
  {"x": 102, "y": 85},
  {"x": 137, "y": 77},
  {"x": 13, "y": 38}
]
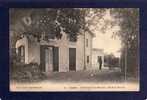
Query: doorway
[
  {"x": 46, "y": 58},
  {"x": 49, "y": 58},
  {"x": 72, "y": 59}
]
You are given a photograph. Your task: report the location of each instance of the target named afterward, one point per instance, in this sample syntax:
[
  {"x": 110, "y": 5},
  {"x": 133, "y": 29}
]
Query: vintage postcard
[{"x": 74, "y": 49}]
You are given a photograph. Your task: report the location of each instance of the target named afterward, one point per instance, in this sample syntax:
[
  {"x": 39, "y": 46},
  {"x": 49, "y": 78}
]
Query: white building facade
[{"x": 57, "y": 55}]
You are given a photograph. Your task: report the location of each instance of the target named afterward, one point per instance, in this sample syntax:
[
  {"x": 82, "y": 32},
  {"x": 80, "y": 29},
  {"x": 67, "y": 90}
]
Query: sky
[{"x": 106, "y": 42}]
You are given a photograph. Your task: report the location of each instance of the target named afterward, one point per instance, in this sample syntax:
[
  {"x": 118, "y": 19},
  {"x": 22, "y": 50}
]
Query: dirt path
[{"x": 94, "y": 80}]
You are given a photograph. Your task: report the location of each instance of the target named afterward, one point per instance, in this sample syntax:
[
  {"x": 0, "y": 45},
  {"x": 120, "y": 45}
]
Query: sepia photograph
[{"x": 74, "y": 49}]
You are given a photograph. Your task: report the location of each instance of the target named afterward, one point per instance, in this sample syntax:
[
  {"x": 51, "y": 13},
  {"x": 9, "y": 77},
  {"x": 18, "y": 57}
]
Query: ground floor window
[
  {"x": 87, "y": 59},
  {"x": 21, "y": 54}
]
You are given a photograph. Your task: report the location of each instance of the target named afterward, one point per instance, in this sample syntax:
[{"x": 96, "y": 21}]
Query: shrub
[{"x": 26, "y": 72}]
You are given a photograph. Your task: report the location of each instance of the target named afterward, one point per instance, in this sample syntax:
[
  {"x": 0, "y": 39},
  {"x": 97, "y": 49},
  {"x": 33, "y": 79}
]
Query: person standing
[{"x": 100, "y": 63}]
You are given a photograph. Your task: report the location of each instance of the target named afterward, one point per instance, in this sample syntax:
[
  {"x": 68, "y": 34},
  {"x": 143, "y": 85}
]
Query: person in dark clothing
[{"x": 100, "y": 63}]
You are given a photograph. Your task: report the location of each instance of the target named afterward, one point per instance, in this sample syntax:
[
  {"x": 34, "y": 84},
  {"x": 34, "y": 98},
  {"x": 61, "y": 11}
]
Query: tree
[
  {"x": 128, "y": 20},
  {"x": 49, "y": 22},
  {"x": 93, "y": 18}
]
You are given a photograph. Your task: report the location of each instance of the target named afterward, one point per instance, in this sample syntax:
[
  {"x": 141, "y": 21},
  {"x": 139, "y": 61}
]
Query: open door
[{"x": 46, "y": 58}]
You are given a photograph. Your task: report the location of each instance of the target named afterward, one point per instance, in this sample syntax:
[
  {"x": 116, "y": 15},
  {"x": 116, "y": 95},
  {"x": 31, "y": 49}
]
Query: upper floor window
[{"x": 86, "y": 42}]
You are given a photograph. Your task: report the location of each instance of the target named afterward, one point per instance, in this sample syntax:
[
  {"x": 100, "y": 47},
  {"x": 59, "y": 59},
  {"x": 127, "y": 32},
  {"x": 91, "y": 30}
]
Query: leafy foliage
[
  {"x": 49, "y": 22},
  {"x": 26, "y": 72},
  {"x": 128, "y": 20}
]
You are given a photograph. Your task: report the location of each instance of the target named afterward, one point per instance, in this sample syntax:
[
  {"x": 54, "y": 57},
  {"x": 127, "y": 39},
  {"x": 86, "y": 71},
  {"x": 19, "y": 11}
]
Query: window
[
  {"x": 21, "y": 54},
  {"x": 87, "y": 59},
  {"x": 86, "y": 42}
]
